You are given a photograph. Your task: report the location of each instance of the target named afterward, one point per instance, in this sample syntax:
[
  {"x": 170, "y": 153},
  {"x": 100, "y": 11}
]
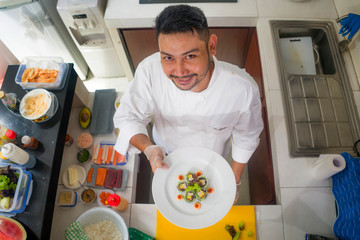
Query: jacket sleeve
[
  {"x": 134, "y": 112},
  {"x": 245, "y": 135}
]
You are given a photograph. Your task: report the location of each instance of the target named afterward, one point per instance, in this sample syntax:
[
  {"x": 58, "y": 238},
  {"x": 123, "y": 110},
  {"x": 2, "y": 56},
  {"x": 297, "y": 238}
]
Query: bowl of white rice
[{"x": 101, "y": 223}]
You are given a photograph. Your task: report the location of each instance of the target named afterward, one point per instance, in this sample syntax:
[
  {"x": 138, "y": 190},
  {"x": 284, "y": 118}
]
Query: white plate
[
  {"x": 81, "y": 176},
  {"x": 217, "y": 204}
]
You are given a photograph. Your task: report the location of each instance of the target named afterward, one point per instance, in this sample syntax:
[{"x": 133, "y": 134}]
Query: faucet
[{"x": 345, "y": 44}]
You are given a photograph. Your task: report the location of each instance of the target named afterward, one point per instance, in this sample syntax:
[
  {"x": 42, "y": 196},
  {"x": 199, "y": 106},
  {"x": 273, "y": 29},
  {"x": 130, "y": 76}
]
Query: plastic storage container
[
  {"x": 22, "y": 193},
  {"x": 66, "y": 198},
  {"x": 55, "y": 63}
]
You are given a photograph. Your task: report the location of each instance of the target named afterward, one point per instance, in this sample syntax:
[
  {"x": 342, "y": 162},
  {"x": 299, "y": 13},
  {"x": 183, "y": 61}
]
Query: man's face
[{"x": 185, "y": 60}]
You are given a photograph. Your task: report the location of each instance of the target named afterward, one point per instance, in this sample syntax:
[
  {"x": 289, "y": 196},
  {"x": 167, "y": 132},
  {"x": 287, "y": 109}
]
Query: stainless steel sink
[{"x": 320, "y": 108}]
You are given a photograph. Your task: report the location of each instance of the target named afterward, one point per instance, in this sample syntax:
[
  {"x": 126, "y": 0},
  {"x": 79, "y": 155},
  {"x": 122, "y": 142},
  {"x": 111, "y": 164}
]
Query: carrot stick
[
  {"x": 98, "y": 160},
  {"x": 109, "y": 155}
]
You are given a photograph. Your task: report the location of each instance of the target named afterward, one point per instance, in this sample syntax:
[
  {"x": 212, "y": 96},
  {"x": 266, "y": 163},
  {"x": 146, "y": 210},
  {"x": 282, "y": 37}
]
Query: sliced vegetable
[
  {"x": 85, "y": 117},
  {"x": 231, "y": 230},
  {"x": 103, "y": 197},
  {"x": 237, "y": 236},
  {"x": 241, "y": 225},
  {"x": 89, "y": 176},
  {"x": 249, "y": 233},
  {"x": 5, "y": 202}
]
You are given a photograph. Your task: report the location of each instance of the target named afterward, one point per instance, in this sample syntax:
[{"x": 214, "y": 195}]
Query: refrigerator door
[{"x": 27, "y": 30}]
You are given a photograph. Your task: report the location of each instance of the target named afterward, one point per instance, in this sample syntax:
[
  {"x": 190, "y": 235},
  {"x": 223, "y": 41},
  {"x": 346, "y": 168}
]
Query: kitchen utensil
[
  {"x": 220, "y": 177},
  {"x": 246, "y": 214},
  {"x": 298, "y": 55}
]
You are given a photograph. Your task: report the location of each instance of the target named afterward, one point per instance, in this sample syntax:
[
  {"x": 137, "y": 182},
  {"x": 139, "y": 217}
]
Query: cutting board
[
  {"x": 298, "y": 55},
  {"x": 165, "y": 230}
]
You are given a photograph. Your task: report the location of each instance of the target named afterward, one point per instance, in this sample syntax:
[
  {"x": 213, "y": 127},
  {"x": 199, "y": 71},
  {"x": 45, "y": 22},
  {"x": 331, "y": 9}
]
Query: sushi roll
[
  {"x": 189, "y": 196},
  {"x": 202, "y": 182},
  {"x": 191, "y": 177},
  {"x": 201, "y": 194},
  {"x": 181, "y": 186}
]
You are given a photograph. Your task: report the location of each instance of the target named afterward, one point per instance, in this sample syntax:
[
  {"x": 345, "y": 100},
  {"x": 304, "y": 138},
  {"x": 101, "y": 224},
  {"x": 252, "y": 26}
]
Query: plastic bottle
[
  {"x": 14, "y": 137},
  {"x": 18, "y": 155},
  {"x": 117, "y": 203},
  {"x": 29, "y": 142}
]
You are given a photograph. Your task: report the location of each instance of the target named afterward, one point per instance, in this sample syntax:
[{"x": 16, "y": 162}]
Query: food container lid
[
  {"x": 66, "y": 198},
  {"x": 113, "y": 200},
  {"x": 11, "y": 134}
]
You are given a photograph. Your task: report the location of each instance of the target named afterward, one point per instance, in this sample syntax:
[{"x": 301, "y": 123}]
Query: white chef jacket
[{"x": 229, "y": 107}]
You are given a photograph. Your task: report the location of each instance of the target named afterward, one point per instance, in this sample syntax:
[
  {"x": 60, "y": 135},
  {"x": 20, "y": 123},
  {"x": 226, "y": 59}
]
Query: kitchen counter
[
  {"x": 37, "y": 216},
  {"x": 307, "y": 205}
]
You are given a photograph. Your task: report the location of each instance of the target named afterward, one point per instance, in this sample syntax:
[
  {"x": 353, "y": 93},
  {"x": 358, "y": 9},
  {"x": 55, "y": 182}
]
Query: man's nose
[{"x": 180, "y": 69}]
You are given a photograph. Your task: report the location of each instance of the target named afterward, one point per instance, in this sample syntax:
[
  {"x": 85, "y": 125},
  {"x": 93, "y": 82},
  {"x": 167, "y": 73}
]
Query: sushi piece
[
  {"x": 197, "y": 205},
  {"x": 189, "y": 196},
  {"x": 191, "y": 177},
  {"x": 181, "y": 186},
  {"x": 201, "y": 194},
  {"x": 202, "y": 182},
  {"x": 198, "y": 173},
  {"x": 210, "y": 190}
]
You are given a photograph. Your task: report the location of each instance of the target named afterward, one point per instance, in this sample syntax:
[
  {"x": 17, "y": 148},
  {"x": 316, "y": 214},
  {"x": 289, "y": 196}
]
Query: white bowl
[
  {"x": 43, "y": 113},
  {"x": 98, "y": 214}
]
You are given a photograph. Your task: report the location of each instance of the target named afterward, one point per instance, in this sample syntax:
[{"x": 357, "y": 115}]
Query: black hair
[{"x": 181, "y": 19}]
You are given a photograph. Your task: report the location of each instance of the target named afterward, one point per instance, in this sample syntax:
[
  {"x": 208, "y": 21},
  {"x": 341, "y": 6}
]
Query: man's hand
[{"x": 156, "y": 154}]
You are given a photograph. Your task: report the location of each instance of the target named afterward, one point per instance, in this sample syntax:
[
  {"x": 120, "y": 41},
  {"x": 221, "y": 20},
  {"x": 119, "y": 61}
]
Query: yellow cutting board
[{"x": 165, "y": 230}]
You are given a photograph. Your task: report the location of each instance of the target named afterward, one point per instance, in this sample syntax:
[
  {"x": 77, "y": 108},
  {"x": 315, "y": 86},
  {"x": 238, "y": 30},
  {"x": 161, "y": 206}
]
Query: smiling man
[{"x": 195, "y": 100}]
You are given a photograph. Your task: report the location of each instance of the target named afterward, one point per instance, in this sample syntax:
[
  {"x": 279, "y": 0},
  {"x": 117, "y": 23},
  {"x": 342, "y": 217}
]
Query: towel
[
  {"x": 75, "y": 232},
  {"x": 346, "y": 190}
]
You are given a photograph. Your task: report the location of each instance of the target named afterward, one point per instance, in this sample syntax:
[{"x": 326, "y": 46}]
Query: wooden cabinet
[{"x": 238, "y": 46}]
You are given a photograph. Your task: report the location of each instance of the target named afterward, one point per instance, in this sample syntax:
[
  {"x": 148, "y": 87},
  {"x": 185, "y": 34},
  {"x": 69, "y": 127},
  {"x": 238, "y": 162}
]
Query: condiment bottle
[
  {"x": 68, "y": 140},
  {"x": 117, "y": 203},
  {"x": 14, "y": 137},
  {"x": 18, "y": 155},
  {"x": 29, "y": 142}
]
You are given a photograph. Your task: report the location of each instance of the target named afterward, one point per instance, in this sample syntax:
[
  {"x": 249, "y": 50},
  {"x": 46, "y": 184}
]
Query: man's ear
[{"x": 212, "y": 44}]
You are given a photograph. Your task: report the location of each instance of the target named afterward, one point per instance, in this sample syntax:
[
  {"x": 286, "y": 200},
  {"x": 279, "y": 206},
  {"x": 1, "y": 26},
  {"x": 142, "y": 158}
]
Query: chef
[{"x": 194, "y": 99}]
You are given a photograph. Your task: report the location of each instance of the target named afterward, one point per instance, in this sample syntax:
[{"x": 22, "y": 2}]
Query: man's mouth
[{"x": 184, "y": 79}]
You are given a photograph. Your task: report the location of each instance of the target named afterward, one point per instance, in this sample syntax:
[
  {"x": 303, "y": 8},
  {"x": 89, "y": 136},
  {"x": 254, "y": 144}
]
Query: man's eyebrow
[{"x": 190, "y": 51}]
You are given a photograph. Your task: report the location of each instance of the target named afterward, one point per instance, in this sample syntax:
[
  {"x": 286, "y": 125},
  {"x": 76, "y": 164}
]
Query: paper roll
[{"x": 328, "y": 165}]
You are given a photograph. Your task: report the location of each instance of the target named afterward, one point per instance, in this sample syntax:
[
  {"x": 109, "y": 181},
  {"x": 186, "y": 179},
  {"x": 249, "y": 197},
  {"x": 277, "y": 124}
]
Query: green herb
[
  {"x": 231, "y": 230},
  {"x": 249, "y": 233},
  {"x": 6, "y": 184},
  {"x": 241, "y": 225},
  {"x": 237, "y": 236}
]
